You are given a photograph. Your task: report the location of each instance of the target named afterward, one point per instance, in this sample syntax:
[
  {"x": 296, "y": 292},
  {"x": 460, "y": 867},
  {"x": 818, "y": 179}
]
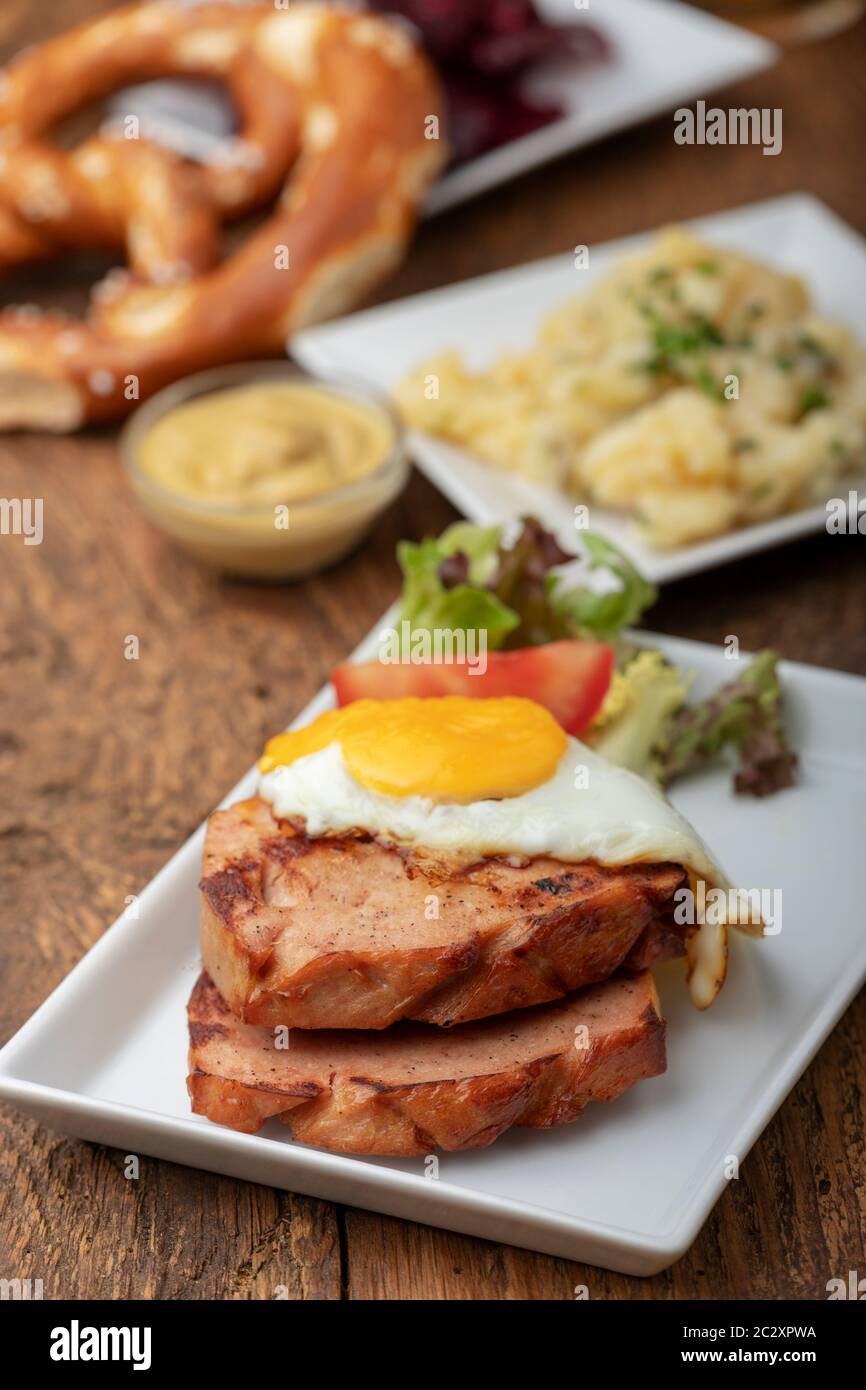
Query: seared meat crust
[
  {"x": 415, "y": 1088},
  {"x": 344, "y": 932}
]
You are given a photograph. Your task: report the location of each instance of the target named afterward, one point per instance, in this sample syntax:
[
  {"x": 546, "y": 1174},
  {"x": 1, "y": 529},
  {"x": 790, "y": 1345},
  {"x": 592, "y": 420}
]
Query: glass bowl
[{"x": 247, "y": 540}]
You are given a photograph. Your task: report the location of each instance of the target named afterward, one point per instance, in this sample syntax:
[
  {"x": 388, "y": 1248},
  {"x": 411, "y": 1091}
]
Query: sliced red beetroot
[
  {"x": 511, "y": 53},
  {"x": 482, "y": 48},
  {"x": 483, "y": 115}
]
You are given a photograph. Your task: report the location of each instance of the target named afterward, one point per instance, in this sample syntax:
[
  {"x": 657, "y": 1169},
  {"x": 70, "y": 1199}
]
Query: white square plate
[
  {"x": 664, "y": 55},
  {"x": 481, "y": 317},
  {"x": 629, "y": 1185}
]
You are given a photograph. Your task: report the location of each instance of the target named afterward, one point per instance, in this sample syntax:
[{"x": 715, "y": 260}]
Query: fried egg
[
  {"x": 448, "y": 750},
  {"x": 482, "y": 777}
]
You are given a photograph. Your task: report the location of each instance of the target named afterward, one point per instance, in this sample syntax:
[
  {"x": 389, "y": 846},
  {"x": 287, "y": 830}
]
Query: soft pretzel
[{"x": 342, "y": 98}]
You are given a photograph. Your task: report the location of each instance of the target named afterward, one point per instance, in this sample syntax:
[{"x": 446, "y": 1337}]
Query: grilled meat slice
[
  {"x": 415, "y": 1088},
  {"x": 344, "y": 932}
]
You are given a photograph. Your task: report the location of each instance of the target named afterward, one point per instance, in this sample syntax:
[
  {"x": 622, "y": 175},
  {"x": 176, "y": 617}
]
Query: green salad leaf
[
  {"x": 602, "y": 610},
  {"x": 444, "y": 583},
  {"x": 523, "y": 588},
  {"x": 744, "y": 715}
]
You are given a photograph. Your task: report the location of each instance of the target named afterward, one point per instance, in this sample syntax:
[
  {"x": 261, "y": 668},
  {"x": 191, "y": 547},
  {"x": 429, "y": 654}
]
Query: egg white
[{"x": 616, "y": 818}]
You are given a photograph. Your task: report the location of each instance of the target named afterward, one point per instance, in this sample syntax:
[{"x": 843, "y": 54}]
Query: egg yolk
[{"x": 449, "y": 749}]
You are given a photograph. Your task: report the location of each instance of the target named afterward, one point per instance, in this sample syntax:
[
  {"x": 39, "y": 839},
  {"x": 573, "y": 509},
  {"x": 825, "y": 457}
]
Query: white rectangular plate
[
  {"x": 629, "y": 1185},
  {"x": 664, "y": 55},
  {"x": 481, "y": 317}
]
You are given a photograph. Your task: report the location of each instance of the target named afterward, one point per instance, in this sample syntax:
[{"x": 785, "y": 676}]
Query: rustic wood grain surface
[{"x": 109, "y": 764}]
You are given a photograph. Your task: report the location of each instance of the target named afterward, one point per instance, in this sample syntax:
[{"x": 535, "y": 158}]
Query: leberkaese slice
[
  {"x": 415, "y": 1088},
  {"x": 341, "y": 931}
]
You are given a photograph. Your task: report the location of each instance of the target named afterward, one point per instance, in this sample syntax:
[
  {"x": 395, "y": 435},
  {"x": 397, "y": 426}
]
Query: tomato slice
[{"x": 569, "y": 678}]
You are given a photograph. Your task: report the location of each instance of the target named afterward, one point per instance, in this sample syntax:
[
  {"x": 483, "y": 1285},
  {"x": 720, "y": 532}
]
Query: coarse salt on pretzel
[{"x": 341, "y": 99}]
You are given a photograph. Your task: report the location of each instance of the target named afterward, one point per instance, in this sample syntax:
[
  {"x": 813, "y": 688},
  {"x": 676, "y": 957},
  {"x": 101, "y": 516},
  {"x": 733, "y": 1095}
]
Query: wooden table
[{"x": 109, "y": 764}]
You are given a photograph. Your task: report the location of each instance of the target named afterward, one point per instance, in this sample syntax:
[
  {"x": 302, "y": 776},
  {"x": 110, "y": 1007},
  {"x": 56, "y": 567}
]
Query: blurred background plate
[
  {"x": 663, "y": 54},
  {"x": 481, "y": 317}
]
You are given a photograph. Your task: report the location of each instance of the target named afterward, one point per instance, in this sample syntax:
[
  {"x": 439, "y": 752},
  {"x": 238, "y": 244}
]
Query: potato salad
[{"x": 689, "y": 386}]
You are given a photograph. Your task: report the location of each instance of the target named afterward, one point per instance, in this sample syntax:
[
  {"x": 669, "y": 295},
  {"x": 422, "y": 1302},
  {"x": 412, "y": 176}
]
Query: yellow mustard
[
  {"x": 270, "y": 442},
  {"x": 271, "y": 477}
]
